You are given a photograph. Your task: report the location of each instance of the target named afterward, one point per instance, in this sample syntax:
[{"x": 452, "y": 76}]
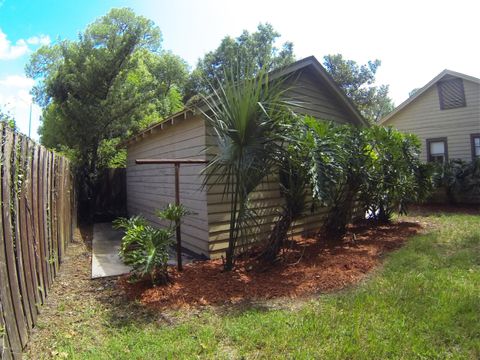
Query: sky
[{"x": 415, "y": 40}]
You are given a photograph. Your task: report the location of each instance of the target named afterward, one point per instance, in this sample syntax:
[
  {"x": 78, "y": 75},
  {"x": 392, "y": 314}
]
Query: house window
[
  {"x": 475, "y": 146},
  {"x": 451, "y": 94},
  {"x": 437, "y": 150}
]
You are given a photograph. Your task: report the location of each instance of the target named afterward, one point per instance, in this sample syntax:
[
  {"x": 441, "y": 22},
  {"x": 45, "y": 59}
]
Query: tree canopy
[
  {"x": 357, "y": 81},
  {"x": 244, "y": 55},
  {"x": 111, "y": 80}
]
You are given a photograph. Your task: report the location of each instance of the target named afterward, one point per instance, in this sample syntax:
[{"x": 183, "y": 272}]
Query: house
[
  {"x": 445, "y": 115},
  {"x": 187, "y": 135}
]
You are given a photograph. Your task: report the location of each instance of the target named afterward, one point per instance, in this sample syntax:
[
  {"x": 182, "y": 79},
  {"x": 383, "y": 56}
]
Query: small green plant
[
  {"x": 146, "y": 248},
  {"x": 173, "y": 213}
]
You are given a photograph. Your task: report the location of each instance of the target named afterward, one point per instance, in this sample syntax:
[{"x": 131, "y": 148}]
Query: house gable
[{"x": 424, "y": 116}]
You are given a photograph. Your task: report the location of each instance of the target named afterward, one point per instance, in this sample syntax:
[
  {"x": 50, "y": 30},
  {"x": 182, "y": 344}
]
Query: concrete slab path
[{"x": 105, "y": 247}]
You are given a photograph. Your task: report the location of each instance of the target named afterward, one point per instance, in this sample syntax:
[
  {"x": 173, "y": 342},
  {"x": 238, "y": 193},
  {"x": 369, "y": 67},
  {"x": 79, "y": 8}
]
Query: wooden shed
[{"x": 187, "y": 135}]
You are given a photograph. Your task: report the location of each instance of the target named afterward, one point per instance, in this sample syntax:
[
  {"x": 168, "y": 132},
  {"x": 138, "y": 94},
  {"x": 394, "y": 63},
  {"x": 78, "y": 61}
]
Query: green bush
[
  {"x": 146, "y": 248},
  {"x": 458, "y": 178},
  {"x": 396, "y": 177}
]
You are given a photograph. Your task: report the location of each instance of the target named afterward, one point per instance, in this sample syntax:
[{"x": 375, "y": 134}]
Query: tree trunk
[
  {"x": 278, "y": 236},
  {"x": 340, "y": 214}
]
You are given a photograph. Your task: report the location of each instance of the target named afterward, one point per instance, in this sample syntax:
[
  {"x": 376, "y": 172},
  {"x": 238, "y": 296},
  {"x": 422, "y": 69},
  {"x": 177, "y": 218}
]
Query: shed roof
[
  {"x": 308, "y": 62},
  {"x": 431, "y": 83}
]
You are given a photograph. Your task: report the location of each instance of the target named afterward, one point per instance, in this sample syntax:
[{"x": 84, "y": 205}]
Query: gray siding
[
  {"x": 424, "y": 118},
  {"x": 308, "y": 90},
  {"x": 151, "y": 187}
]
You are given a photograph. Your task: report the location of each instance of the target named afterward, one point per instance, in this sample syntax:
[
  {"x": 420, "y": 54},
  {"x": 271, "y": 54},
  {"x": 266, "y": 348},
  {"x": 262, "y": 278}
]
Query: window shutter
[{"x": 451, "y": 94}]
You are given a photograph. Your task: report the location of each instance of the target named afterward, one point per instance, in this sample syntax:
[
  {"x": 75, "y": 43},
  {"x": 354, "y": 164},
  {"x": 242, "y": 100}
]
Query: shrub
[
  {"x": 396, "y": 177},
  {"x": 146, "y": 248},
  {"x": 458, "y": 178}
]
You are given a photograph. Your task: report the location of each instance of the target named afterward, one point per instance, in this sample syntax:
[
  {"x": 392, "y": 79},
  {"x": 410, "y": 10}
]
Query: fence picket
[
  {"x": 16, "y": 188},
  {"x": 37, "y": 215},
  {"x": 8, "y": 232}
]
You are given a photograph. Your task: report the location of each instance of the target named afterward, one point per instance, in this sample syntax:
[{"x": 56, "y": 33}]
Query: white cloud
[
  {"x": 39, "y": 40},
  {"x": 16, "y": 82},
  {"x": 10, "y": 51},
  {"x": 16, "y": 99}
]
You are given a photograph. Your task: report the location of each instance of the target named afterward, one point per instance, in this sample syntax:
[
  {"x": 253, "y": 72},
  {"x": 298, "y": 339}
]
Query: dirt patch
[{"x": 309, "y": 266}]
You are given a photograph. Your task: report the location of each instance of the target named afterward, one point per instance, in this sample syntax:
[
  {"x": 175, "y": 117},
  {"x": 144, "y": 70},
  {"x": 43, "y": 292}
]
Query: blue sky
[{"x": 414, "y": 39}]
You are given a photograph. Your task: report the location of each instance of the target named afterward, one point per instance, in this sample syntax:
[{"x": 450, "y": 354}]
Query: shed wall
[
  {"x": 151, "y": 187},
  {"x": 308, "y": 91}
]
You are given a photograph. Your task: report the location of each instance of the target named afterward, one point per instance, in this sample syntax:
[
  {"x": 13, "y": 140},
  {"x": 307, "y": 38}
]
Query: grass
[{"x": 424, "y": 303}]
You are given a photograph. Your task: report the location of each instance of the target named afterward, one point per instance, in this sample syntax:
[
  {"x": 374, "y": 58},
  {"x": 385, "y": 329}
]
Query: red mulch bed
[{"x": 308, "y": 266}]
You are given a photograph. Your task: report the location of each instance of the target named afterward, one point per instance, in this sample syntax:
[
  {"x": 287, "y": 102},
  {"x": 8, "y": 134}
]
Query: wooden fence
[
  {"x": 111, "y": 195},
  {"x": 37, "y": 215}
]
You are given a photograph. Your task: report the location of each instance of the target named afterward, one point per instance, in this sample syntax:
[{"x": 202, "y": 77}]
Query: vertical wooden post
[
  {"x": 177, "y": 163},
  {"x": 177, "y": 222}
]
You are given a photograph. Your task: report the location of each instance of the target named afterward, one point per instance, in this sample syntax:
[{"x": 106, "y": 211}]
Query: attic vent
[{"x": 451, "y": 94}]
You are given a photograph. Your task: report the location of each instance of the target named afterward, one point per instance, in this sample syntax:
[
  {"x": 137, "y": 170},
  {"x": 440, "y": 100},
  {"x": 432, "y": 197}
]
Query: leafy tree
[
  {"x": 111, "y": 81},
  {"x": 246, "y": 55},
  {"x": 357, "y": 81},
  {"x": 413, "y": 92},
  {"x": 396, "y": 177},
  {"x": 7, "y": 118}
]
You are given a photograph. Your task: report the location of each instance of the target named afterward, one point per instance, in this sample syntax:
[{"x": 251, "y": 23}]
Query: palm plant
[
  {"x": 293, "y": 182},
  {"x": 246, "y": 117}
]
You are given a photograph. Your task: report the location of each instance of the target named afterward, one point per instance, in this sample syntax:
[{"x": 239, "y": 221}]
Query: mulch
[{"x": 309, "y": 265}]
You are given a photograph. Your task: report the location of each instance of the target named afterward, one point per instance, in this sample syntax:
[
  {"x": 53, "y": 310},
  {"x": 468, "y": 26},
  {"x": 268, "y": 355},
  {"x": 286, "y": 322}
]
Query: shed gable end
[{"x": 311, "y": 96}]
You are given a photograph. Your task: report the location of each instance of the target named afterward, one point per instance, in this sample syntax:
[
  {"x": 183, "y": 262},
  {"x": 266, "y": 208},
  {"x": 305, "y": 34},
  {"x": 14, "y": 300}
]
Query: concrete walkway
[{"x": 105, "y": 247}]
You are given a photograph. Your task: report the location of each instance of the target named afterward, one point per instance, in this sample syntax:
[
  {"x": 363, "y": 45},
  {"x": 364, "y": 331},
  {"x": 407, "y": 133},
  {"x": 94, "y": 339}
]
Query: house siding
[
  {"x": 424, "y": 118},
  {"x": 151, "y": 187}
]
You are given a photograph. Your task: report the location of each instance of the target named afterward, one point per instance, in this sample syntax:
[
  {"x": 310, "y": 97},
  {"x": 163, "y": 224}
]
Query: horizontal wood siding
[
  {"x": 152, "y": 187},
  {"x": 424, "y": 118},
  {"x": 267, "y": 203},
  {"x": 307, "y": 89}
]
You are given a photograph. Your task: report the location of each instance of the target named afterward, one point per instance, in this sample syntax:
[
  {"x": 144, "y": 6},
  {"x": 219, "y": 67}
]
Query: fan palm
[{"x": 246, "y": 118}]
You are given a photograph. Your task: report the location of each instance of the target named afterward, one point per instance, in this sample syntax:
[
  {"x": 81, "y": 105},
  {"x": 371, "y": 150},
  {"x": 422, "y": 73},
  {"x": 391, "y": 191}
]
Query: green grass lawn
[{"x": 424, "y": 303}]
